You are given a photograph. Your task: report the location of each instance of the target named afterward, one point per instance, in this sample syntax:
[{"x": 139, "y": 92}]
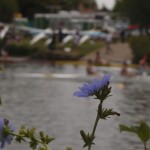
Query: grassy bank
[{"x": 41, "y": 51}]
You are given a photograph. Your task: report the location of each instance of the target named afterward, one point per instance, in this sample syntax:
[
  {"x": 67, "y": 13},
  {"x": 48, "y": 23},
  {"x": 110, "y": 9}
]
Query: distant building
[
  {"x": 72, "y": 20},
  {"x": 21, "y": 21}
]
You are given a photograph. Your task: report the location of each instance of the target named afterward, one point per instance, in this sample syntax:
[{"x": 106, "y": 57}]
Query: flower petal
[
  {"x": 1, "y": 125},
  {"x": 3, "y": 143},
  {"x": 89, "y": 89},
  {"x": 81, "y": 94}
]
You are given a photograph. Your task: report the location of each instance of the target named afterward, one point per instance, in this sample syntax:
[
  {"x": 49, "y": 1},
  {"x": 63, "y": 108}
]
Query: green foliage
[
  {"x": 58, "y": 55},
  {"x": 87, "y": 138},
  {"x": 75, "y": 53},
  {"x": 23, "y": 48},
  {"x": 139, "y": 45},
  {"x": 7, "y": 10},
  {"x": 34, "y": 6},
  {"x": 119, "y": 7},
  {"x": 105, "y": 113},
  {"x": 89, "y": 46},
  {"x": 40, "y": 51},
  {"x": 36, "y": 140},
  {"x": 136, "y": 10},
  {"x": 68, "y": 148},
  {"x": 1, "y": 68},
  {"x": 0, "y": 101},
  {"x": 102, "y": 113},
  {"x": 142, "y": 131}
]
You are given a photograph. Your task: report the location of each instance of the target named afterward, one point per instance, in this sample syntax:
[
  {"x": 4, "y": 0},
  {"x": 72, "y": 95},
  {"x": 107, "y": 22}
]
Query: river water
[{"x": 49, "y": 105}]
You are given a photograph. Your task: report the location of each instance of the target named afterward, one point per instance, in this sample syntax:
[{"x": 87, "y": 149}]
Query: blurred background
[{"x": 48, "y": 48}]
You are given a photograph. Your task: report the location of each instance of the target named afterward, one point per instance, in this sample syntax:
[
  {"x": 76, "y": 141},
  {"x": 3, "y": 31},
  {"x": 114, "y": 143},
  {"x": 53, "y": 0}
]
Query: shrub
[
  {"x": 41, "y": 51},
  {"x": 23, "y": 48},
  {"x": 56, "y": 55},
  {"x": 139, "y": 45}
]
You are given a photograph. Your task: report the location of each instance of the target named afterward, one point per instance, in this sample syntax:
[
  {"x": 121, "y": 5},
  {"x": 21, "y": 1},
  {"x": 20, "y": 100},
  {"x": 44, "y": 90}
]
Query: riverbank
[{"x": 120, "y": 52}]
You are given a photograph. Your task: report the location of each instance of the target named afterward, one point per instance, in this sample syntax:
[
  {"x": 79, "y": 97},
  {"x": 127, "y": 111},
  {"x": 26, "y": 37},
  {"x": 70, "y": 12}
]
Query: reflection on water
[{"x": 48, "y": 105}]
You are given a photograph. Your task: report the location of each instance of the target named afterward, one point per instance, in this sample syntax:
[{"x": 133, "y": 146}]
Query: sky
[{"x": 108, "y": 3}]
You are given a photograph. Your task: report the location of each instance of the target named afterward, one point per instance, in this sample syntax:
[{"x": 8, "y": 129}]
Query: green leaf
[
  {"x": 68, "y": 148},
  {"x": 48, "y": 140},
  {"x": 144, "y": 132},
  {"x": 32, "y": 132},
  {"x": 0, "y": 101},
  {"x": 1, "y": 68},
  {"x": 128, "y": 129},
  {"x": 83, "y": 135}
]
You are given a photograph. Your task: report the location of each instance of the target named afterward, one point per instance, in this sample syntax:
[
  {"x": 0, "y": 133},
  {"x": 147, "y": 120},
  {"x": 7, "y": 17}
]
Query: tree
[
  {"x": 44, "y": 6},
  {"x": 136, "y": 10},
  {"x": 29, "y": 7},
  {"x": 7, "y": 10}
]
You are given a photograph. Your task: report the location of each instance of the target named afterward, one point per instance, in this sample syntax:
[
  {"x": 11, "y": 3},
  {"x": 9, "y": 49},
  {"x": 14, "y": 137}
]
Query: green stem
[
  {"x": 17, "y": 135},
  {"x": 23, "y": 138},
  {"x": 145, "y": 148},
  {"x": 45, "y": 145},
  {"x": 95, "y": 124}
]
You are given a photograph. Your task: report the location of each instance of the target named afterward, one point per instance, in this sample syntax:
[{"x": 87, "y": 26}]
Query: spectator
[
  {"x": 143, "y": 64},
  {"x": 52, "y": 45},
  {"x": 98, "y": 60},
  {"x": 60, "y": 35},
  {"x": 123, "y": 35},
  {"x": 4, "y": 48},
  {"x": 76, "y": 39},
  {"x": 108, "y": 41}
]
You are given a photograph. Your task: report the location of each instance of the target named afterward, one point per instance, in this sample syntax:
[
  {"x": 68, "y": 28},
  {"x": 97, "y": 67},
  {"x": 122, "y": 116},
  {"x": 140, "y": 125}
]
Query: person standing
[
  {"x": 76, "y": 39},
  {"x": 99, "y": 61},
  {"x": 4, "y": 52},
  {"x": 123, "y": 35},
  {"x": 60, "y": 35},
  {"x": 143, "y": 64},
  {"x": 108, "y": 41},
  {"x": 52, "y": 45}
]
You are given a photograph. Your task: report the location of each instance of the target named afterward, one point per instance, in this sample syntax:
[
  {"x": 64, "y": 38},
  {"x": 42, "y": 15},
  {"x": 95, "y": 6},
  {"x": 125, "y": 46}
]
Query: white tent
[
  {"x": 4, "y": 31},
  {"x": 84, "y": 39},
  {"x": 67, "y": 39},
  {"x": 48, "y": 41},
  {"x": 40, "y": 36},
  {"x": 37, "y": 38}
]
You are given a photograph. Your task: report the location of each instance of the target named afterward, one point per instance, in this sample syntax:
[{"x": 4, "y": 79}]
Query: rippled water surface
[{"x": 49, "y": 105}]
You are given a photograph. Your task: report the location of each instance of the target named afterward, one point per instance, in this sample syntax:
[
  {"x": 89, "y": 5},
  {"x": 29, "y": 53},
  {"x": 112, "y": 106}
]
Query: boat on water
[
  {"x": 83, "y": 77},
  {"x": 115, "y": 78}
]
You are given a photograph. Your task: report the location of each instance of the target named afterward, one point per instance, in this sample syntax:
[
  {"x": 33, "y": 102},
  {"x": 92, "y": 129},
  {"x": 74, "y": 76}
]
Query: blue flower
[
  {"x": 4, "y": 136},
  {"x": 89, "y": 89}
]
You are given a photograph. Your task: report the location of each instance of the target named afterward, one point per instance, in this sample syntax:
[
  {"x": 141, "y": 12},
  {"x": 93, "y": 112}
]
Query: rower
[
  {"x": 125, "y": 72},
  {"x": 89, "y": 67}
]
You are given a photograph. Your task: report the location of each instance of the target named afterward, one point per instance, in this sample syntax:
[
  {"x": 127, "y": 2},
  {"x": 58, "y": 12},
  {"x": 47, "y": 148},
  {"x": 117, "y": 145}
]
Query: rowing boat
[{"x": 86, "y": 78}]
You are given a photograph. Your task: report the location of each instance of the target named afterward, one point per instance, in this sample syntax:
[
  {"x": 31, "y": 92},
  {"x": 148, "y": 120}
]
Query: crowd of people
[
  {"x": 143, "y": 66},
  {"x": 97, "y": 60}
]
